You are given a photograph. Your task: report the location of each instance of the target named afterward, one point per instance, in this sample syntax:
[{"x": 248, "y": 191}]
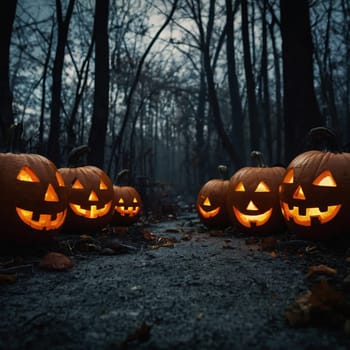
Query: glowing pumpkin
[
  {"x": 211, "y": 203},
  {"x": 90, "y": 198},
  {"x": 127, "y": 207},
  {"x": 314, "y": 194},
  {"x": 33, "y": 198},
  {"x": 252, "y": 198}
]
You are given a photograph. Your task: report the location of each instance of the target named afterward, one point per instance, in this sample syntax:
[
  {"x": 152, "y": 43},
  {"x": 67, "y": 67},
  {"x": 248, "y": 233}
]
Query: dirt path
[{"x": 206, "y": 291}]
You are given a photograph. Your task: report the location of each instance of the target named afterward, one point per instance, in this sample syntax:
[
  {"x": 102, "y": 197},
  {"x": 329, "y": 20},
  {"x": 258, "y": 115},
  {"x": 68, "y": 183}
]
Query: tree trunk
[
  {"x": 100, "y": 110},
  {"x": 301, "y": 111},
  {"x": 254, "y": 126},
  {"x": 235, "y": 99},
  {"x": 54, "y": 150},
  {"x": 7, "y": 15}
]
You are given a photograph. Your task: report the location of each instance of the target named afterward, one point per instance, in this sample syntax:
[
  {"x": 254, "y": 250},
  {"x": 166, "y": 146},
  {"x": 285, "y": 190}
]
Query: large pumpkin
[
  {"x": 211, "y": 202},
  {"x": 252, "y": 198},
  {"x": 90, "y": 198},
  {"x": 127, "y": 206},
  {"x": 315, "y": 194},
  {"x": 33, "y": 201}
]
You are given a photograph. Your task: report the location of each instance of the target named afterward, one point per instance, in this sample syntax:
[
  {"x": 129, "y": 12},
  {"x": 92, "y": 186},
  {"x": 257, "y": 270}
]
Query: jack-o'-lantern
[
  {"x": 211, "y": 202},
  {"x": 127, "y": 206},
  {"x": 315, "y": 194},
  {"x": 33, "y": 201},
  {"x": 252, "y": 198},
  {"x": 90, "y": 198}
]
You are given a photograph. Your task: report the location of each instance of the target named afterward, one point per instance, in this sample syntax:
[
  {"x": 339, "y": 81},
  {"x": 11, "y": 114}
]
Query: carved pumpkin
[
  {"x": 90, "y": 198},
  {"x": 314, "y": 194},
  {"x": 252, "y": 198},
  {"x": 33, "y": 198},
  {"x": 211, "y": 203},
  {"x": 127, "y": 206}
]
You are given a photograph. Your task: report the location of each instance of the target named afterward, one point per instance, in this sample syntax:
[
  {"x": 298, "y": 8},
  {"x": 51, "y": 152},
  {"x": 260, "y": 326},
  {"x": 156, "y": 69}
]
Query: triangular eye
[
  {"x": 26, "y": 174},
  {"x": 289, "y": 177},
  {"x": 103, "y": 185},
  {"x": 77, "y": 185},
  {"x": 134, "y": 200},
  {"x": 121, "y": 201},
  {"x": 262, "y": 187},
  {"x": 240, "y": 187},
  {"x": 325, "y": 179},
  {"x": 207, "y": 202},
  {"x": 59, "y": 179}
]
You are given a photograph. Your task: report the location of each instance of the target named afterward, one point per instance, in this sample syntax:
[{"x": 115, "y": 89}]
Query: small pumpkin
[
  {"x": 90, "y": 198},
  {"x": 127, "y": 207},
  {"x": 252, "y": 198},
  {"x": 211, "y": 202},
  {"x": 314, "y": 194},
  {"x": 33, "y": 198}
]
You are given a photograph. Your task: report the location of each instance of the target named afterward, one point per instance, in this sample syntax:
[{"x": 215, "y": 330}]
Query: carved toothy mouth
[
  {"x": 93, "y": 212},
  {"x": 247, "y": 219},
  {"x": 208, "y": 214},
  {"x": 127, "y": 211},
  {"x": 310, "y": 214},
  {"x": 45, "y": 222}
]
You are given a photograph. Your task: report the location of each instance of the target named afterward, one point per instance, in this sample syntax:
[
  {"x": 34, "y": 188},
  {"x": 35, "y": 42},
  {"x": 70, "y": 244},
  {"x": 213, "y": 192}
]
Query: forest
[{"x": 170, "y": 89}]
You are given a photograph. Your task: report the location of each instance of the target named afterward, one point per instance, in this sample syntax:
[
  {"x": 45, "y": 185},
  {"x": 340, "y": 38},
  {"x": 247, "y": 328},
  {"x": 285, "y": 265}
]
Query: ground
[{"x": 174, "y": 284}]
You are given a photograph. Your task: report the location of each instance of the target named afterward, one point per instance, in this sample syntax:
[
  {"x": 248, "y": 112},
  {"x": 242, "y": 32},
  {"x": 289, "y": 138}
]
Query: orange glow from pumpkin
[
  {"x": 45, "y": 221},
  {"x": 208, "y": 214},
  {"x": 93, "y": 197},
  {"x": 51, "y": 195},
  {"x": 93, "y": 212},
  {"x": 325, "y": 179},
  {"x": 262, "y": 187},
  {"x": 27, "y": 175},
  {"x": 299, "y": 193},
  {"x": 305, "y": 220},
  {"x": 127, "y": 211},
  {"x": 247, "y": 219}
]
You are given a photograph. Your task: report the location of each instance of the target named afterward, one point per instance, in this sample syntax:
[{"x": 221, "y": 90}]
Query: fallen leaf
[
  {"x": 163, "y": 243},
  {"x": 268, "y": 243},
  {"x": 55, "y": 261},
  {"x": 141, "y": 334},
  {"x": 251, "y": 240},
  {"x": 273, "y": 254},
  {"x": 8, "y": 278},
  {"x": 324, "y": 269},
  {"x": 148, "y": 235},
  {"x": 323, "y": 305}
]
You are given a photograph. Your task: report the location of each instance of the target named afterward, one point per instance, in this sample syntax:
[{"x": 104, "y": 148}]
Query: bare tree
[
  {"x": 235, "y": 99},
  {"x": 254, "y": 125},
  {"x": 7, "y": 15},
  {"x": 301, "y": 111},
  {"x": 54, "y": 149}
]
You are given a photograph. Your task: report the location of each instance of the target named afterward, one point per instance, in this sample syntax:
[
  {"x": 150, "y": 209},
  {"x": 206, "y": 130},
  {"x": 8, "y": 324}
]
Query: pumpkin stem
[
  {"x": 323, "y": 139},
  {"x": 120, "y": 175},
  {"x": 223, "y": 171},
  {"x": 258, "y": 159},
  {"x": 76, "y": 154}
]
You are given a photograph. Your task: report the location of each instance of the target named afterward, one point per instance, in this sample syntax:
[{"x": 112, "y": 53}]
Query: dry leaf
[
  {"x": 8, "y": 278},
  {"x": 141, "y": 334},
  {"x": 55, "y": 261},
  {"x": 323, "y": 305},
  {"x": 149, "y": 235},
  {"x": 320, "y": 269},
  {"x": 268, "y": 243}
]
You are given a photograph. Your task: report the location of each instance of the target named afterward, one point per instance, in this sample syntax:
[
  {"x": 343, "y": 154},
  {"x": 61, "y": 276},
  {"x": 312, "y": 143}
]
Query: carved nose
[
  {"x": 51, "y": 195},
  {"x": 299, "y": 194},
  {"x": 93, "y": 197}
]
